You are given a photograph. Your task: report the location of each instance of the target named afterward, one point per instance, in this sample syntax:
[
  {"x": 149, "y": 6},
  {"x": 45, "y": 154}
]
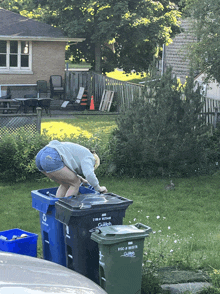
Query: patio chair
[
  {"x": 41, "y": 88},
  {"x": 31, "y": 102},
  {"x": 7, "y": 96},
  {"x": 56, "y": 86},
  {"x": 76, "y": 103},
  {"x": 44, "y": 103}
]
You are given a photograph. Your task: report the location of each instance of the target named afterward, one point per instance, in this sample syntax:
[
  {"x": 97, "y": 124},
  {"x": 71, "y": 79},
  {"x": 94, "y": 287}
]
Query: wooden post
[
  {"x": 215, "y": 117},
  {"x": 39, "y": 115}
]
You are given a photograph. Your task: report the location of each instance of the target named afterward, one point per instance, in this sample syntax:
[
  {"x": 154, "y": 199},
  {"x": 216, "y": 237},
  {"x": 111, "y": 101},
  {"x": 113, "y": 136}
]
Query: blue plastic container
[
  {"x": 52, "y": 231},
  {"x": 53, "y": 244},
  {"x": 24, "y": 246}
]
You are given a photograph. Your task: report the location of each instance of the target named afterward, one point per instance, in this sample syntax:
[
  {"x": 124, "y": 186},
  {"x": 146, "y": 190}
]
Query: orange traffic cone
[{"x": 92, "y": 106}]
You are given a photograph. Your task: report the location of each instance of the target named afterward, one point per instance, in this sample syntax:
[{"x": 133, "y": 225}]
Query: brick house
[{"x": 29, "y": 51}]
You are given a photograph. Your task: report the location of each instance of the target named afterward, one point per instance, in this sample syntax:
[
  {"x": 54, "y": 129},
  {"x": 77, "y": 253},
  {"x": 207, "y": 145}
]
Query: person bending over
[{"x": 64, "y": 162}]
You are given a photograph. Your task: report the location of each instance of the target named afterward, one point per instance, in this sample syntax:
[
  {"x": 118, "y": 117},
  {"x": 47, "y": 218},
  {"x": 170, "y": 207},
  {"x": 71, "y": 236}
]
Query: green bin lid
[{"x": 118, "y": 233}]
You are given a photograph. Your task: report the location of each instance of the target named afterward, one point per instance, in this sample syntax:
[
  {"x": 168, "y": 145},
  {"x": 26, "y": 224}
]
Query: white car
[{"x": 21, "y": 274}]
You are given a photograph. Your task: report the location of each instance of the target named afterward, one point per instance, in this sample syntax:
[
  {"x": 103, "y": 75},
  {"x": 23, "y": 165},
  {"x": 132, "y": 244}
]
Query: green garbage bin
[{"x": 120, "y": 257}]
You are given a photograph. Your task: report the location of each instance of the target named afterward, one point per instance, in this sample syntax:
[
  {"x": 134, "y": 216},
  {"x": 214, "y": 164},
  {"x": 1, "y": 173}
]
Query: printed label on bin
[
  {"x": 103, "y": 220},
  {"x": 68, "y": 232},
  {"x": 100, "y": 255},
  {"x": 128, "y": 251},
  {"x": 44, "y": 219}
]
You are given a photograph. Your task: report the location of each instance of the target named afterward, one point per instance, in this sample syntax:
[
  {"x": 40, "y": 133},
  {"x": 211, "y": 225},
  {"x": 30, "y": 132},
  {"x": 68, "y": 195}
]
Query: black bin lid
[
  {"x": 85, "y": 204},
  {"x": 90, "y": 201}
]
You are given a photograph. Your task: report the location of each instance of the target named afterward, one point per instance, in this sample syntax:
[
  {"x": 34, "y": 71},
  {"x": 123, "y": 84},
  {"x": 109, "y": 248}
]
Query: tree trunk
[{"x": 98, "y": 57}]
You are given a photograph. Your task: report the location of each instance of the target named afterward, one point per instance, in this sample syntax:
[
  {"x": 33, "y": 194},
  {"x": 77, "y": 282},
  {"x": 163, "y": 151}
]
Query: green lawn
[
  {"x": 96, "y": 125},
  {"x": 185, "y": 221},
  {"x": 122, "y": 76}
]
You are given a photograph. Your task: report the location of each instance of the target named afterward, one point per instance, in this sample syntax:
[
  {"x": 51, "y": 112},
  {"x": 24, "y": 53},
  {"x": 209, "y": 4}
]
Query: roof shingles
[{"x": 15, "y": 25}]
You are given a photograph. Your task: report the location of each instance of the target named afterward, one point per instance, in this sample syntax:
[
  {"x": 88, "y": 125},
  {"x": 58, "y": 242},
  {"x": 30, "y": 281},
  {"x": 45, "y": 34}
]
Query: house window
[
  {"x": 15, "y": 56},
  {"x": 3, "y": 53}
]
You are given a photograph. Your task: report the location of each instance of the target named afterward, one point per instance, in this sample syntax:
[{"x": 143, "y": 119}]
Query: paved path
[
  {"x": 180, "y": 281},
  {"x": 183, "y": 287}
]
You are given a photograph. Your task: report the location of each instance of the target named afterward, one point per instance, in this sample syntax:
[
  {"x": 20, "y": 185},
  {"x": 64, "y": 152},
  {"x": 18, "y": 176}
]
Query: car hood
[
  {"x": 42, "y": 289},
  {"x": 24, "y": 274}
]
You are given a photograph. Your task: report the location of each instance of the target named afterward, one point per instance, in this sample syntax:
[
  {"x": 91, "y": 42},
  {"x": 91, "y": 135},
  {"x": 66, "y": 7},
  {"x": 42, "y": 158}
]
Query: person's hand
[
  {"x": 83, "y": 181},
  {"x": 103, "y": 189}
]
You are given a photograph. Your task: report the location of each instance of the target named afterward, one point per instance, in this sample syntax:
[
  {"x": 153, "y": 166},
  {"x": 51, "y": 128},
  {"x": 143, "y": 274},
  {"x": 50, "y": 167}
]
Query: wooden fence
[
  {"x": 124, "y": 92},
  {"x": 95, "y": 84},
  {"x": 211, "y": 109}
]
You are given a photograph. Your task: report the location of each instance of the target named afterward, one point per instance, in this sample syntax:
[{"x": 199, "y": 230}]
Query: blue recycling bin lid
[{"x": 42, "y": 199}]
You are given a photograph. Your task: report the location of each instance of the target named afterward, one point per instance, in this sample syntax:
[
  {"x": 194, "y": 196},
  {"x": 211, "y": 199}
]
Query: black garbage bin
[
  {"x": 80, "y": 214},
  {"x": 52, "y": 235}
]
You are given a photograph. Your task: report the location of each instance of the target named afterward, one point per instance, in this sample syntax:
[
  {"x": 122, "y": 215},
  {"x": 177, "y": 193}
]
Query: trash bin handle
[
  {"x": 95, "y": 229},
  {"x": 146, "y": 228}
]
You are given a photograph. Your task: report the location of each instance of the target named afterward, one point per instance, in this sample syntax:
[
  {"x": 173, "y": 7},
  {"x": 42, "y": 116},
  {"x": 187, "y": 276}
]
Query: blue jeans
[{"x": 48, "y": 160}]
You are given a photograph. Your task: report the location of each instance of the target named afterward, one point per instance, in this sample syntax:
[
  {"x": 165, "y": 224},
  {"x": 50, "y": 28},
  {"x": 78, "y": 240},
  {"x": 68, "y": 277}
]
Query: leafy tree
[
  {"x": 163, "y": 133},
  {"x": 126, "y": 34},
  {"x": 205, "y": 52}
]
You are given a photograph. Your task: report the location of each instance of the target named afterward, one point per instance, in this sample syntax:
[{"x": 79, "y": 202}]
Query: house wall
[
  {"x": 211, "y": 89},
  {"x": 176, "y": 52},
  {"x": 48, "y": 58}
]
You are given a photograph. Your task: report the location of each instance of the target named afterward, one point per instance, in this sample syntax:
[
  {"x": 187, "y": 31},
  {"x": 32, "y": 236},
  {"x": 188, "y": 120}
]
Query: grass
[
  {"x": 95, "y": 126},
  {"x": 78, "y": 65},
  {"x": 185, "y": 221},
  {"x": 122, "y": 76}
]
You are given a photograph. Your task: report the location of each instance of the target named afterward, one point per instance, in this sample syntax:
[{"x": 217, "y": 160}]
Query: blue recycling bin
[
  {"x": 53, "y": 244},
  {"x": 14, "y": 241},
  {"x": 52, "y": 232},
  {"x": 80, "y": 214}
]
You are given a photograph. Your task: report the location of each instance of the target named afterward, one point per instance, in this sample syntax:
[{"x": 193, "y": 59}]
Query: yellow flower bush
[{"x": 62, "y": 130}]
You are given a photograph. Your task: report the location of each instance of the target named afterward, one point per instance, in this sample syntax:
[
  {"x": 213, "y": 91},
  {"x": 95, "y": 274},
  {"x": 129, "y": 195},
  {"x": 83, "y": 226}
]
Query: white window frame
[{"x": 18, "y": 69}]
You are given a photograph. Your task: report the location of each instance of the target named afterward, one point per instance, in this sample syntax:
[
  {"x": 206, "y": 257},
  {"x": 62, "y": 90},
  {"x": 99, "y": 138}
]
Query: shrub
[
  {"x": 17, "y": 154},
  {"x": 18, "y": 151},
  {"x": 150, "y": 283},
  {"x": 164, "y": 133}
]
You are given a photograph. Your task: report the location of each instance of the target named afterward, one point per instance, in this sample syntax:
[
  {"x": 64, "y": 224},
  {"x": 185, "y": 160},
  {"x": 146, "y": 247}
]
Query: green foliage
[
  {"x": 205, "y": 52},
  {"x": 215, "y": 280},
  {"x": 215, "y": 277},
  {"x": 18, "y": 151},
  {"x": 163, "y": 133},
  {"x": 151, "y": 283},
  {"x": 17, "y": 154},
  {"x": 124, "y": 34},
  {"x": 210, "y": 290}
]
